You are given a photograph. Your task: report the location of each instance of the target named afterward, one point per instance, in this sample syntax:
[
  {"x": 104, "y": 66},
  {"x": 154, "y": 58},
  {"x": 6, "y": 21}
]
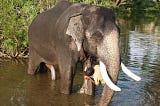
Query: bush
[
  {"x": 15, "y": 17},
  {"x": 96, "y": 2}
]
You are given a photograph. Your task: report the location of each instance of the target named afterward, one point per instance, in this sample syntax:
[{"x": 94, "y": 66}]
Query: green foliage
[
  {"x": 141, "y": 5},
  {"x": 95, "y": 2},
  {"x": 15, "y": 17}
]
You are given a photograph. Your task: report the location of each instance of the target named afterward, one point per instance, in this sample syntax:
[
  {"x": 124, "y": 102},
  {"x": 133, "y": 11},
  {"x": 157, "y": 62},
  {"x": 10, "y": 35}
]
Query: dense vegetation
[{"x": 16, "y": 16}]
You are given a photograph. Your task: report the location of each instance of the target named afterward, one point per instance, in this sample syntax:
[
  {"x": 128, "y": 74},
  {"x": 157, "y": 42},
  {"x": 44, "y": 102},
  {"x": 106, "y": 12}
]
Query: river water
[{"x": 140, "y": 51}]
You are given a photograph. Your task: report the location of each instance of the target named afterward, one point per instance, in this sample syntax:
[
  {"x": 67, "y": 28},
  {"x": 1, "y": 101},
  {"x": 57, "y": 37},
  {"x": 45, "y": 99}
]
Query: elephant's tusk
[
  {"x": 129, "y": 73},
  {"x": 106, "y": 77},
  {"x": 53, "y": 75}
]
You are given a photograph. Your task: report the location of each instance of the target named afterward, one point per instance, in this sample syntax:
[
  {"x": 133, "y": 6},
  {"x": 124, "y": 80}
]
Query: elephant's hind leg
[
  {"x": 53, "y": 74},
  {"x": 34, "y": 62}
]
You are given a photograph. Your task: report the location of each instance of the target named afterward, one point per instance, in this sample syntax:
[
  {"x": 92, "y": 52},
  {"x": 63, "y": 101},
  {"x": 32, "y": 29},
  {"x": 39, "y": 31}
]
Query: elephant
[{"x": 66, "y": 33}]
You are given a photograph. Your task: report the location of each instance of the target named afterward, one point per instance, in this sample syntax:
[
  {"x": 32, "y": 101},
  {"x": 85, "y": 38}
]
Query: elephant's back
[
  {"x": 41, "y": 30},
  {"x": 44, "y": 23}
]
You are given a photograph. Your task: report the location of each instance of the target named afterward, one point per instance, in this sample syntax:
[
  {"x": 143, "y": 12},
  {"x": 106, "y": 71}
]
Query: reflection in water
[
  {"x": 144, "y": 59},
  {"x": 140, "y": 51},
  {"x": 140, "y": 48},
  {"x": 144, "y": 49}
]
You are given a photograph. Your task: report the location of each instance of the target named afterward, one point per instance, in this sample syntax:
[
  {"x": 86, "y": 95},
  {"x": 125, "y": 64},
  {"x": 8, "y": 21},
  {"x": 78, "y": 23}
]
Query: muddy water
[{"x": 140, "y": 51}]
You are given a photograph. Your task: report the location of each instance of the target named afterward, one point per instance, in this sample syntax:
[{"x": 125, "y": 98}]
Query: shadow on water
[{"x": 140, "y": 51}]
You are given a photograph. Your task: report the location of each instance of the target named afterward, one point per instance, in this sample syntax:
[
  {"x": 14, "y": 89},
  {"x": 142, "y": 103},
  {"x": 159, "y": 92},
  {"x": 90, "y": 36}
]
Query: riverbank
[{"x": 6, "y": 56}]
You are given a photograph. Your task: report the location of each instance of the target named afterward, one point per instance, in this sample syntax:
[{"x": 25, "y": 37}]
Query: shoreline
[{"x": 6, "y": 56}]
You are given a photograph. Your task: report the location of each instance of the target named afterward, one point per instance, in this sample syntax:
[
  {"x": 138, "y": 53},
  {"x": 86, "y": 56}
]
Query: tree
[{"x": 119, "y": 2}]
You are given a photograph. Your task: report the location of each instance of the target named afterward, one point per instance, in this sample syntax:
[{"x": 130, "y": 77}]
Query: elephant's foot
[
  {"x": 53, "y": 74},
  {"x": 66, "y": 87}
]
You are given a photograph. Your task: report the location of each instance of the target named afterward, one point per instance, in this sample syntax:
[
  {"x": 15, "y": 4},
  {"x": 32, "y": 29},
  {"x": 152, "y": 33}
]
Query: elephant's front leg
[{"x": 67, "y": 68}]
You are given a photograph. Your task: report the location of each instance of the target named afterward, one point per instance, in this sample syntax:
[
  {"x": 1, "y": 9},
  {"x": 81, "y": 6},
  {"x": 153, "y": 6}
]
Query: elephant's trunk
[
  {"x": 109, "y": 55},
  {"x": 110, "y": 76}
]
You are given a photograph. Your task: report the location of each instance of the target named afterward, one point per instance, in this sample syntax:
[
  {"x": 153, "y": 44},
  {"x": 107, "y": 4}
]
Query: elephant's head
[{"x": 93, "y": 30}]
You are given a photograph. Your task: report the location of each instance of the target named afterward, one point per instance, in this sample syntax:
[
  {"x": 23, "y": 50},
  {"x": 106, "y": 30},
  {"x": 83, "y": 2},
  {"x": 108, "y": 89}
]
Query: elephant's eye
[{"x": 97, "y": 36}]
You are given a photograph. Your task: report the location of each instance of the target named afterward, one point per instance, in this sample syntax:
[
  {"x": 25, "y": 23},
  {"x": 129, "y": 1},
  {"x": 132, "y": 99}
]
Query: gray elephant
[{"x": 61, "y": 36}]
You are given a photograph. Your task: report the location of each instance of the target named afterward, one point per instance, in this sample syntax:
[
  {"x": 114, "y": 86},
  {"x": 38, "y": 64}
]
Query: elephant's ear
[{"x": 76, "y": 30}]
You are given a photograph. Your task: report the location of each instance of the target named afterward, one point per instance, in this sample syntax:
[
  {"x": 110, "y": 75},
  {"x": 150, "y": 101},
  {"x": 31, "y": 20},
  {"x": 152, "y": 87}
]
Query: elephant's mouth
[{"x": 100, "y": 76}]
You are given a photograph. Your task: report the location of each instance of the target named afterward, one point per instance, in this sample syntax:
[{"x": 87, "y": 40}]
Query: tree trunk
[{"x": 119, "y": 2}]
